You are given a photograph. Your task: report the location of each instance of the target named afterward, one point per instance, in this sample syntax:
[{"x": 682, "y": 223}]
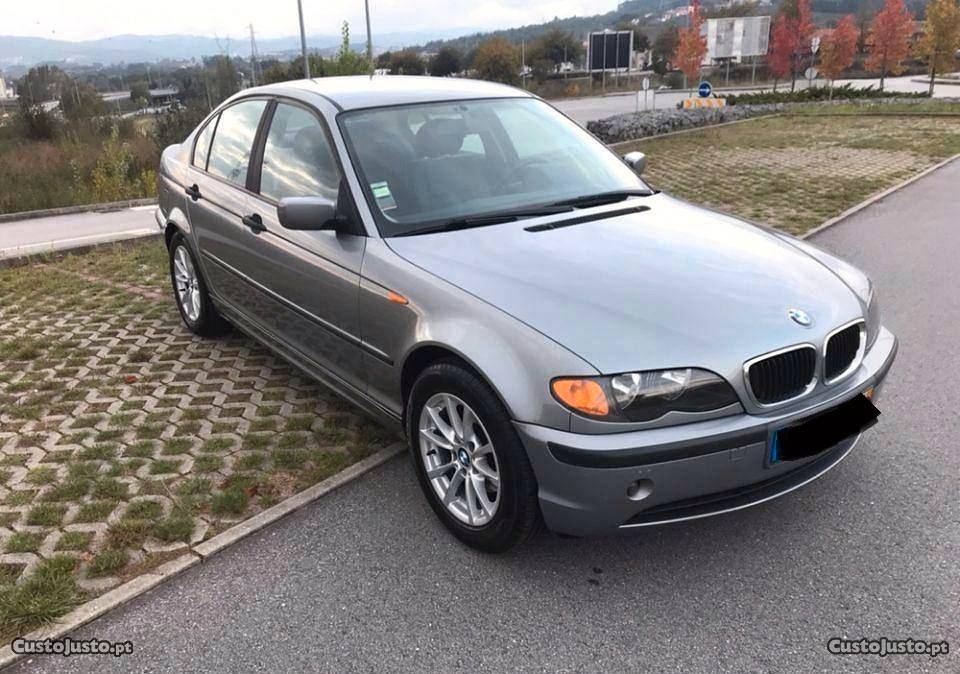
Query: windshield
[{"x": 424, "y": 165}]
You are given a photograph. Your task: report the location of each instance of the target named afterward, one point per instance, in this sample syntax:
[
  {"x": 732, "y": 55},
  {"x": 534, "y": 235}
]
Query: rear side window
[
  {"x": 297, "y": 158},
  {"x": 233, "y": 141},
  {"x": 202, "y": 148}
]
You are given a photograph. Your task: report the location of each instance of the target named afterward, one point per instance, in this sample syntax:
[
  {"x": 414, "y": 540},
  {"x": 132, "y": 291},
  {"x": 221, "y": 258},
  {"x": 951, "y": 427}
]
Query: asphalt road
[
  {"x": 583, "y": 110},
  {"x": 60, "y": 232},
  {"x": 366, "y": 579}
]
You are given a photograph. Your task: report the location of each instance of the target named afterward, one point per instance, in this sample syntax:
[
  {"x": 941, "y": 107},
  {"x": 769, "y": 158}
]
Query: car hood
[{"x": 672, "y": 286}]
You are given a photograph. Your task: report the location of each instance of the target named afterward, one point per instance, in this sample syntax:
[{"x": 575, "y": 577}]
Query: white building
[{"x": 6, "y": 92}]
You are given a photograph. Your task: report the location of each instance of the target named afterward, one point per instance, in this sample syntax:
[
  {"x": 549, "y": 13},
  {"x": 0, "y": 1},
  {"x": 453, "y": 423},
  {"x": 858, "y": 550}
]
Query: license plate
[{"x": 822, "y": 431}]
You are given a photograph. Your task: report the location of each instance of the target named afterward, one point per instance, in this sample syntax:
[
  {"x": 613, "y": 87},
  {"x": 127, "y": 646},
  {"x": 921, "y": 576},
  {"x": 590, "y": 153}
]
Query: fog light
[{"x": 639, "y": 490}]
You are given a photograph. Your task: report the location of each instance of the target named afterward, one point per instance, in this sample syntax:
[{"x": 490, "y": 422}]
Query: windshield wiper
[
  {"x": 485, "y": 219},
  {"x": 601, "y": 198}
]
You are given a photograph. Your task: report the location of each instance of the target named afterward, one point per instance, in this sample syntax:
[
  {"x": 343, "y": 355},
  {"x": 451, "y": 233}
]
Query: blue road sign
[{"x": 704, "y": 89}]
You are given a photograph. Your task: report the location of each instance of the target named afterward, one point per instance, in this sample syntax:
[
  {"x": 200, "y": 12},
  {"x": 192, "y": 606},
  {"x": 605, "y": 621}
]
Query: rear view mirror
[
  {"x": 308, "y": 213},
  {"x": 636, "y": 160}
]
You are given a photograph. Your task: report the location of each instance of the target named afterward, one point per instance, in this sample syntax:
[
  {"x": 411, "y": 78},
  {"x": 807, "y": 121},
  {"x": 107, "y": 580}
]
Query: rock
[{"x": 635, "y": 125}]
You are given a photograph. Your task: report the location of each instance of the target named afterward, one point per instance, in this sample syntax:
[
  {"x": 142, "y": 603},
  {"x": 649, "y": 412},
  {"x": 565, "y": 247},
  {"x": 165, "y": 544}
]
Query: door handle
[
  {"x": 254, "y": 222},
  {"x": 193, "y": 192}
]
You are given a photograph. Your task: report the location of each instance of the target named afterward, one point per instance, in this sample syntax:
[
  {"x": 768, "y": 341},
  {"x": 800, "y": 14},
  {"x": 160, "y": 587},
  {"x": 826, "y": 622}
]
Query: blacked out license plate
[{"x": 822, "y": 431}]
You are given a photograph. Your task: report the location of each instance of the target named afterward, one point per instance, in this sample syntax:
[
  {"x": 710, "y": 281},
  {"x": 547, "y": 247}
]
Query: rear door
[
  {"x": 219, "y": 174},
  {"x": 307, "y": 282}
]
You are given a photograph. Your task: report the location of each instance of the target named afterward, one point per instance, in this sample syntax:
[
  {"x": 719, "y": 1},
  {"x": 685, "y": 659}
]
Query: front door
[{"x": 307, "y": 282}]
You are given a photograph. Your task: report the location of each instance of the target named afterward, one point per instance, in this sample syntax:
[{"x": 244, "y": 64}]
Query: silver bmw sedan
[{"x": 562, "y": 343}]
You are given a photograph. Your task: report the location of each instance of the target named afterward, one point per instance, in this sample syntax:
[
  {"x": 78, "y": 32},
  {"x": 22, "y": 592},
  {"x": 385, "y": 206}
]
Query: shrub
[{"x": 845, "y": 92}]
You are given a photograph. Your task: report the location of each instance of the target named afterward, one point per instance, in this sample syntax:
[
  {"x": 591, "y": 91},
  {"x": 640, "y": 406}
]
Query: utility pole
[
  {"x": 523, "y": 65},
  {"x": 303, "y": 42},
  {"x": 253, "y": 57},
  {"x": 366, "y": 9}
]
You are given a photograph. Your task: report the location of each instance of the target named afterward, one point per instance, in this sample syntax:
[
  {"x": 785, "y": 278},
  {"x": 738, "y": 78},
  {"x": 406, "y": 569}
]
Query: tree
[
  {"x": 941, "y": 37},
  {"x": 663, "y": 48},
  {"x": 790, "y": 43},
  {"x": 407, "y": 62},
  {"x": 40, "y": 84},
  {"x": 782, "y": 47},
  {"x": 691, "y": 46},
  {"x": 140, "y": 93},
  {"x": 838, "y": 49},
  {"x": 556, "y": 46},
  {"x": 497, "y": 60},
  {"x": 889, "y": 40},
  {"x": 447, "y": 61},
  {"x": 348, "y": 62},
  {"x": 226, "y": 79},
  {"x": 79, "y": 100}
]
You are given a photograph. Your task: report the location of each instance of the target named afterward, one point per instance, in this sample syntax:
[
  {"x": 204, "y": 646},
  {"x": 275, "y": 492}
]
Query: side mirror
[
  {"x": 307, "y": 213},
  {"x": 636, "y": 160}
]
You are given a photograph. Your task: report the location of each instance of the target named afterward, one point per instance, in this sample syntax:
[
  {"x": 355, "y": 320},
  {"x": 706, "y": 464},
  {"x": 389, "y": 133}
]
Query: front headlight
[
  {"x": 873, "y": 317},
  {"x": 644, "y": 396}
]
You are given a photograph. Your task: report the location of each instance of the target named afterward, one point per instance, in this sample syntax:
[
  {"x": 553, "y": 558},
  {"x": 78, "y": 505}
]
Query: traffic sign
[
  {"x": 645, "y": 83},
  {"x": 704, "y": 90},
  {"x": 815, "y": 43},
  {"x": 811, "y": 73}
]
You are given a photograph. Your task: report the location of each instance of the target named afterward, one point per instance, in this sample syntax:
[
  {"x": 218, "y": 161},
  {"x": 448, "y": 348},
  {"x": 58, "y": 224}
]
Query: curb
[
  {"x": 853, "y": 210},
  {"x": 23, "y": 255},
  {"x": 69, "y": 210},
  {"x": 132, "y": 589}
]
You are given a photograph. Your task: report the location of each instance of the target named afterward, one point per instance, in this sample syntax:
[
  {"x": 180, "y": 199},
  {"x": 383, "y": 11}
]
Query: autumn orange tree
[
  {"x": 889, "y": 39},
  {"x": 691, "y": 46},
  {"x": 838, "y": 49},
  {"x": 941, "y": 37},
  {"x": 780, "y": 58},
  {"x": 790, "y": 39}
]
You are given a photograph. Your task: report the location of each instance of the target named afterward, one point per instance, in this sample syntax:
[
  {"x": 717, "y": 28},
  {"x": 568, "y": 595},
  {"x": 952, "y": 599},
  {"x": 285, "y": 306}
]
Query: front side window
[
  {"x": 429, "y": 164},
  {"x": 297, "y": 158},
  {"x": 202, "y": 148},
  {"x": 233, "y": 141}
]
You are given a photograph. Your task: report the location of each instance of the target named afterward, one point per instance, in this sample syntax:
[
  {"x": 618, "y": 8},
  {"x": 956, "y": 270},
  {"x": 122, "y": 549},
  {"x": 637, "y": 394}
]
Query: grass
[
  {"x": 794, "y": 172},
  {"x": 107, "y": 562},
  {"x": 49, "y": 592}
]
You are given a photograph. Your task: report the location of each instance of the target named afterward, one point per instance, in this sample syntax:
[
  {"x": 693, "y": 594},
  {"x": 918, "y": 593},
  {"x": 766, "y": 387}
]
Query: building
[{"x": 6, "y": 91}]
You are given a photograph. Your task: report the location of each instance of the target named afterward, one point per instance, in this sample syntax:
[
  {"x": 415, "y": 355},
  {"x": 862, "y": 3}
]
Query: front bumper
[{"x": 601, "y": 483}]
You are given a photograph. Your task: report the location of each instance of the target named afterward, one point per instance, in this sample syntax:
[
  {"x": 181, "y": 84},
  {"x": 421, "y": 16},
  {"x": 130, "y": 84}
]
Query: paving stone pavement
[{"x": 121, "y": 432}]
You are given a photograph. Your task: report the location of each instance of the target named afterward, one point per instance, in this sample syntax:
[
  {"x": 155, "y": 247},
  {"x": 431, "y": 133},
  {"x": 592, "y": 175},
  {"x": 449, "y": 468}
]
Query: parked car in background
[{"x": 561, "y": 343}]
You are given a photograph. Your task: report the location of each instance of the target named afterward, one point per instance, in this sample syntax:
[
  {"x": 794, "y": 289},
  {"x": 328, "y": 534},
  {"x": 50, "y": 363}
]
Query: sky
[{"x": 91, "y": 19}]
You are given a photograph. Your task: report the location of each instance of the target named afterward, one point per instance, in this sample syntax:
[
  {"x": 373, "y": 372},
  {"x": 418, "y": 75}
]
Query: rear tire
[
  {"x": 190, "y": 291},
  {"x": 461, "y": 433}
]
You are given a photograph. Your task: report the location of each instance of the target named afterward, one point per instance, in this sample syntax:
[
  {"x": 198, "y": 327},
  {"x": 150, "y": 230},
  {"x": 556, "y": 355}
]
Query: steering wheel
[{"x": 511, "y": 175}]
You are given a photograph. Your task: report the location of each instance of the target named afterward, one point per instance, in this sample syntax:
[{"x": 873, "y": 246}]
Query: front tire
[
  {"x": 190, "y": 291},
  {"x": 469, "y": 460}
]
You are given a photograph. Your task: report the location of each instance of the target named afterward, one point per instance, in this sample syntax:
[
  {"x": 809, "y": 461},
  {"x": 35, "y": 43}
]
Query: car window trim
[{"x": 259, "y": 142}]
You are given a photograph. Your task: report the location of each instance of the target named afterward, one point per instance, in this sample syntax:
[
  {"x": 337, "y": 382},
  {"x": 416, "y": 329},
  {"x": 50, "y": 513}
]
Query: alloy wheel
[
  {"x": 187, "y": 283},
  {"x": 459, "y": 459}
]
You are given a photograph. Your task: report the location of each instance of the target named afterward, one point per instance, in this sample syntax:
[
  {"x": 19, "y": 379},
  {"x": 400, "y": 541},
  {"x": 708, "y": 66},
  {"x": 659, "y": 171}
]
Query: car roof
[{"x": 364, "y": 91}]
